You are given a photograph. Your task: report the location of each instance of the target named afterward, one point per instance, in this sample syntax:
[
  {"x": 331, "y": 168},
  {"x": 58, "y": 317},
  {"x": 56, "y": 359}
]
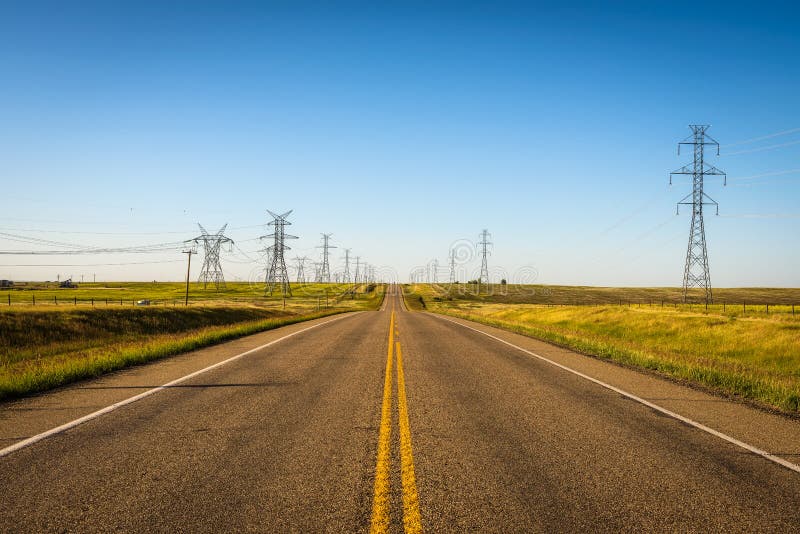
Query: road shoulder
[
  {"x": 23, "y": 418},
  {"x": 774, "y": 433}
]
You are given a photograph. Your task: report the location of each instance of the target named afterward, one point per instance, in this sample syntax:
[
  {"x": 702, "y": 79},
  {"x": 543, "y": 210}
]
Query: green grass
[
  {"x": 755, "y": 356},
  {"x": 48, "y": 346},
  {"x": 304, "y": 296}
]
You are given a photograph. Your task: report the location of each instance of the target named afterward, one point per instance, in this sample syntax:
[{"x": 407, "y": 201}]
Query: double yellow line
[{"x": 412, "y": 522}]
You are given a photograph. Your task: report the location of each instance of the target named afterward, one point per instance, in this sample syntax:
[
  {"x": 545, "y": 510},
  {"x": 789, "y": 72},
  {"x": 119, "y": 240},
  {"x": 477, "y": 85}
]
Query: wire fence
[
  {"x": 318, "y": 300},
  {"x": 731, "y": 308}
]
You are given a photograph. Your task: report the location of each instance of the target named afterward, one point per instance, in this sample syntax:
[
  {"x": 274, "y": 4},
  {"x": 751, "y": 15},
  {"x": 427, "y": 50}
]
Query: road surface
[{"x": 391, "y": 421}]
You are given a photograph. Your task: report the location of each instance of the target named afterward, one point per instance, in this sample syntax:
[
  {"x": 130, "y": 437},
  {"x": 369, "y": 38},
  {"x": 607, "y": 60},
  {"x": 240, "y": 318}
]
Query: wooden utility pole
[{"x": 188, "y": 270}]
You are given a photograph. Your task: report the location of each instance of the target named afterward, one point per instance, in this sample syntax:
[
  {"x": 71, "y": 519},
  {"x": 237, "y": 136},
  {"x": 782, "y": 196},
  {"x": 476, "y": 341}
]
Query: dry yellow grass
[{"x": 756, "y": 357}]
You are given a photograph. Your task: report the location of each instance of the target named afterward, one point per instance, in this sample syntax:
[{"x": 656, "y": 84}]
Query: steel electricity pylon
[
  {"x": 325, "y": 269},
  {"x": 484, "y": 245},
  {"x": 452, "y": 266},
  {"x": 435, "y": 271},
  {"x": 212, "y": 243},
  {"x": 696, "y": 272},
  {"x": 277, "y": 274},
  {"x": 346, "y": 274},
  {"x": 301, "y": 271},
  {"x": 358, "y": 264}
]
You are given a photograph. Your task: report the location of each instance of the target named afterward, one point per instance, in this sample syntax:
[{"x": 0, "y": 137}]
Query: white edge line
[
  {"x": 94, "y": 415},
  {"x": 631, "y": 396}
]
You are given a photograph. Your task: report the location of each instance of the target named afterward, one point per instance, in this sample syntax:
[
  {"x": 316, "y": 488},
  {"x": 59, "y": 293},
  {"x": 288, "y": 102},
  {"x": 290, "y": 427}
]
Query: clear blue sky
[{"x": 402, "y": 129}]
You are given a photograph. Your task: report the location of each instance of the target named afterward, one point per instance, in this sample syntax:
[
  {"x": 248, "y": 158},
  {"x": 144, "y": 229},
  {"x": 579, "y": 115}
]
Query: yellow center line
[
  {"x": 412, "y": 522},
  {"x": 380, "y": 501}
]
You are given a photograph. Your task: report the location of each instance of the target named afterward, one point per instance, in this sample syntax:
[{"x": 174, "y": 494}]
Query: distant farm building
[
  {"x": 6, "y": 283},
  {"x": 67, "y": 283}
]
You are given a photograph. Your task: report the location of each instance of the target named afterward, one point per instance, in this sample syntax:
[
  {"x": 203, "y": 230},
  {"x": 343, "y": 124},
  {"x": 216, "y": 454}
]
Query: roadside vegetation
[
  {"x": 44, "y": 347},
  {"x": 121, "y": 294},
  {"x": 750, "y": 353}
]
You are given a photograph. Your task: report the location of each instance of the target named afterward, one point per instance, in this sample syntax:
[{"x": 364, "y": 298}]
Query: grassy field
[
  {"x": 170, "y": 294},
  {"x": 46, "y": 346},
  {"x": 755, "y": 297},
  {"x": 754, "y": 354}
]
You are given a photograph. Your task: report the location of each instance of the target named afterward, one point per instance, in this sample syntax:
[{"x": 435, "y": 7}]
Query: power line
[
  {"x": 763, "y": 148},
  {"x": 696, "y": 272},
  {"x": 86, "y": 232},
  {"x": 73, "y": 249},
  {"x": 763, "y": 216},
  {"x": 81, "y": 232},
  {"x": 760, "y": 177},
  {"x": 39, "y": 241},
  {"x": 90, "y": 264},
  {"x": 762, "y": 138}
]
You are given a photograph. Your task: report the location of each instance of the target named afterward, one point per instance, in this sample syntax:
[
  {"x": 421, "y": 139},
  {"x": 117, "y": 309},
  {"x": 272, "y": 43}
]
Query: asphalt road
[{"x": 354, "y": 425}]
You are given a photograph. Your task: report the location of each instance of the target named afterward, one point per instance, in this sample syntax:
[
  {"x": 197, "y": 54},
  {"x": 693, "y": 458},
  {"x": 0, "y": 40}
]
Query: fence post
[
  {"x": 744, "y": 307},
  {"x": 34, "y": 298},
  {"x": 723, "y": 306},
  {"x": 767, "y": 308},
  {"x": 75, "y": 301},
  {"x": 92, "y": 302},
  {"x": 792, "y": 310},
  {"x": 55, "y": 299}
]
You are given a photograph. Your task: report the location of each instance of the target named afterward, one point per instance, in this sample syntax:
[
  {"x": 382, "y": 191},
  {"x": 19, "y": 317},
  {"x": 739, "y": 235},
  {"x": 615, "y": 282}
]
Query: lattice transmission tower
[
  {"x": 301, "y": 270},
  {"x": 435, "y": 271},
  {"x": 452, "y": 266},
  {"x": 346, "y": 274},
  {"x": 484, "y": 245},
  {"x": 325, "y": 268},
  {"x": 696, "y": 272},
  {"x": 358, "y": 264},
  {"x": 277, "y": 274},
  {"x": 212, "y": 244}
]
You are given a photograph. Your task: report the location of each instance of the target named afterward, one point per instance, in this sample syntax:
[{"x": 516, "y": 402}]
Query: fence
[
  {"x": 726, "y": 307},
  {"x": 30, "y": 299}
]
